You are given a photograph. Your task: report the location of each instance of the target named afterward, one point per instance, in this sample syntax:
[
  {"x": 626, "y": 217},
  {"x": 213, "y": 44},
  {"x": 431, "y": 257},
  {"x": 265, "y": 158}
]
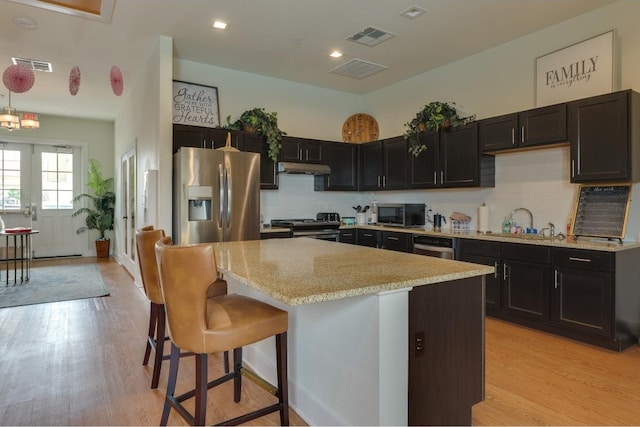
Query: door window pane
[
  {"x": 57, "y": 181},
  {"x": 10, "y": 179}
]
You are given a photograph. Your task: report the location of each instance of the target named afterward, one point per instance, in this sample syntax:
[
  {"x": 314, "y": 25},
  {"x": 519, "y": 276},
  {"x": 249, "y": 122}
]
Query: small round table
[{"x": 25, "y": 252}]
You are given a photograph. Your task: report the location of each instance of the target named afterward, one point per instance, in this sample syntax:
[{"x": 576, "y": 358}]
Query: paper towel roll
[{"x": 483, "y": 218}]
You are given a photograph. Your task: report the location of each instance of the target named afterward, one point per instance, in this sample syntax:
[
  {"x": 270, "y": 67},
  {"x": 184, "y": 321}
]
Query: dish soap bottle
[{"x": 506, "y": 225}]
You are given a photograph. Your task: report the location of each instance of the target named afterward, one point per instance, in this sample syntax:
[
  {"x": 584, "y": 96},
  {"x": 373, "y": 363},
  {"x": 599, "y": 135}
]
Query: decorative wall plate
[{"x": 360, "y": 128}]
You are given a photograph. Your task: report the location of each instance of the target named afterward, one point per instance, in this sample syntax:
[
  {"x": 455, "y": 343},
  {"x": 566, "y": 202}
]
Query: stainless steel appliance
[
  {"x": 401, "y": 214},
  {"x": 314, "y": 228},
  {"x": 434, "y": 246},
  {"x": 216, "y": 196}
]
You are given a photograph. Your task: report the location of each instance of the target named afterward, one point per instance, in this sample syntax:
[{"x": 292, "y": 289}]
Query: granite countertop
[
  {"x": 304, "y": 271},
  {"x": 581, "y": 243},
  {"x": 274, "y": 230}
]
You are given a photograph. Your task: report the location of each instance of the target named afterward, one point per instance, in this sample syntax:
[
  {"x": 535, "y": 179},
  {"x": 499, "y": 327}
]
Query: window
[
  {"x": 57, "y": 180},
  {"x": 10, "y": 180}
]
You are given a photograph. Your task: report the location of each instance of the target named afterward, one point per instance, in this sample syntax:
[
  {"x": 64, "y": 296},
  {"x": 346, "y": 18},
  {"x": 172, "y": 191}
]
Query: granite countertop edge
[{"x": 581, "y": 243}]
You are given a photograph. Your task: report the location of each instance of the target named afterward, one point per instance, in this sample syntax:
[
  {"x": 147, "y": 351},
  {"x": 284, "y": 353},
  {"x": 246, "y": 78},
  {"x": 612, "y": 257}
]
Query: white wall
[{"x": 144, "y": 124}]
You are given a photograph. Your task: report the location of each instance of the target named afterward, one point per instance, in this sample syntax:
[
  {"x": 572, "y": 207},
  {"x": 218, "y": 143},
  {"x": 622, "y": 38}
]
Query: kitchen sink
[{"x": 525, "y": 236}]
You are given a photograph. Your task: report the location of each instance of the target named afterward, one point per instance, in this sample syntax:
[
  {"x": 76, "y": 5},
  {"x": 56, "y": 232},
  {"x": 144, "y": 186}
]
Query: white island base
[{"x": 341, "y": 353}]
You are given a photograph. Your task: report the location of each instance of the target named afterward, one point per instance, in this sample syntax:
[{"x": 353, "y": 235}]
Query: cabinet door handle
[
  {"x": 392, "y": 238},
  {"x": 367, "y": 235},
  {"x": 571, "y": 258},
  {"x": 495, "y": 269},
  {"x": 555, "y": 280},
  {"x": 505, "y": 267},
  {"x": 204, "y": 144},
  {"x": 435, "y": 178},
  {"x": 441, "y": 177},
  {"x": 513, "y": 136},
  {"x": 378, "y": 181},
  {"x": 573, "y": 168},
  {"x": 384, "y": 181},
  {"x": 300, "y": 154},
  {"x": 522, "y": 134}
]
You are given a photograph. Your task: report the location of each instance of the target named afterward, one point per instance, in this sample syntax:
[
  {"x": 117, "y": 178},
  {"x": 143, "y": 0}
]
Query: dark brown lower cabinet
[
  {"x": 588, "y": 295},
  {"x": 526, "y": 288},
  {"x": 446, "y": 352}
]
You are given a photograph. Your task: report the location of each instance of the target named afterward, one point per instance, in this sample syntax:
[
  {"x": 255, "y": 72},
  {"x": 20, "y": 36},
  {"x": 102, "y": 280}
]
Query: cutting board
[{"x": 359, "y": 128}]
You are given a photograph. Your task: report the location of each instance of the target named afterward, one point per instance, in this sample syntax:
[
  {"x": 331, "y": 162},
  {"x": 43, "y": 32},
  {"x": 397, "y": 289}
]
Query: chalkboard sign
[{"x": 601, "y": 211}]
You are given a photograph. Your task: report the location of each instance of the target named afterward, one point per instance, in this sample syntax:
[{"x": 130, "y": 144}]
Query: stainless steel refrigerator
[{"x": 216, "y": 196}]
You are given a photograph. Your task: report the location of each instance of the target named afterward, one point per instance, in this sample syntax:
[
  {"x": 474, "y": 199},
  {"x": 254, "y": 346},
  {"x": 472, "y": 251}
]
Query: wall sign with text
[
  {"x": 578, "y": 71},
  {"x": 195, "y": 105}
]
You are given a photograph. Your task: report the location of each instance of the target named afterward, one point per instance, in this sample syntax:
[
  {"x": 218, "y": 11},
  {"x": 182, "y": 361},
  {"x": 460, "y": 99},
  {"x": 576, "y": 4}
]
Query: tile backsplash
[{"x": 537, "y": 180}]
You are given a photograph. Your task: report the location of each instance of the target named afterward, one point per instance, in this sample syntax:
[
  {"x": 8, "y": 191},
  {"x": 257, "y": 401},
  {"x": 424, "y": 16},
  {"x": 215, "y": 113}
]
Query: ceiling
[{"x": 285, "y": 39}]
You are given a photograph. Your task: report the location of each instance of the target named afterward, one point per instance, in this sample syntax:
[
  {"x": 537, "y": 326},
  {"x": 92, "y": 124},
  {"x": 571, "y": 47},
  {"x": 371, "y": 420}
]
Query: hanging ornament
[
  {"x": 116, "y": 80},
  {"x": 18, "y": 78},
  {"x": 74, "y": 80}
]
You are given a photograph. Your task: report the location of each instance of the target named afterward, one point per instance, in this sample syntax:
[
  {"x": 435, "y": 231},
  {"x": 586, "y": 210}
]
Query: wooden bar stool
[
  {"x": 146, "y": 238},
  {"x": 209, "y": 325}
]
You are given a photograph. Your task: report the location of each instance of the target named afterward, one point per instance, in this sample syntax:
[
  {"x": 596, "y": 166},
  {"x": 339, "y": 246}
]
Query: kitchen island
[{"x": 375, "y": 337}]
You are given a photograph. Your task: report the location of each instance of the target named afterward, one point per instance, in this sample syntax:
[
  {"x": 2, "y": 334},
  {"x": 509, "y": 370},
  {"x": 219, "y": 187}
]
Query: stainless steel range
[{"x": 320, "y": 228}]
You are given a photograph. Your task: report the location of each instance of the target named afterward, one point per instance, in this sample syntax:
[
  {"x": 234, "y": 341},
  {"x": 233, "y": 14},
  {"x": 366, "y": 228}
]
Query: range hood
[{"x": 303, "y": 168}]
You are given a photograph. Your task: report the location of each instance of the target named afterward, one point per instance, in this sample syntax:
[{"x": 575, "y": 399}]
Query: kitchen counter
[
  {"x": 580, "y": 243},
  {"x": 303, "y": 271},
  {"x": 358, "y": 318}
]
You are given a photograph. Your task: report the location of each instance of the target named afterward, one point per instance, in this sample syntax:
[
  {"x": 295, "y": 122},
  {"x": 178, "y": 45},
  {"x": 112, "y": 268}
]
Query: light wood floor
[{"x": 80, "y": 363}]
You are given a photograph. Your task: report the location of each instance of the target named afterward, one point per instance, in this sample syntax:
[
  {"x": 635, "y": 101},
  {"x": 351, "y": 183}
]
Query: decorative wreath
[
  {"x": 116, "y": 80},
  {"x": 74, "y": 80},
  {"x": 18, "y": 78}
]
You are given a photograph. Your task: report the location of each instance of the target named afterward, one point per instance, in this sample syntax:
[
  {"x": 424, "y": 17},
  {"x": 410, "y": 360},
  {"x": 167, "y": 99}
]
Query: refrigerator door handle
[
  {"x": 221, "y": 195},
  {"x": 229, "y": 193}
]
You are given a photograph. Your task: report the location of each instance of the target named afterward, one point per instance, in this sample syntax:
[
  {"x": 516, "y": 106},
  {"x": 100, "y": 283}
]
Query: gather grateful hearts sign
[{"x": 195, "y": 105}]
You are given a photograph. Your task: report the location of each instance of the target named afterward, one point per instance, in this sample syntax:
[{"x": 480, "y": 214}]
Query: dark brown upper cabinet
[
  {"x": 604, "y": 134},
  {"x": 304, "y": 150},
  {"x": 452, "y": 159},
  {"x": 383, "y": 164},
  {"x": 526, "y": 129},
  {"x": 342, "y": 158}
]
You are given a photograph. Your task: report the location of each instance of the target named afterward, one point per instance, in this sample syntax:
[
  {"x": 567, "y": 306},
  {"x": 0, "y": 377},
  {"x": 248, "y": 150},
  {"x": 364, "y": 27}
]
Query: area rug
[{"x": 52, "y": 284}]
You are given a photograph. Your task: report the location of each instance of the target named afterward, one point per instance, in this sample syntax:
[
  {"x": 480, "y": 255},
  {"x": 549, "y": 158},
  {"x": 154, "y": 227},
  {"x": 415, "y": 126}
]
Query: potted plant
[
  {"x": 100, "y": 216},
  {"x": 433, "y": 116},
  {"x": 263, "y": 123}
]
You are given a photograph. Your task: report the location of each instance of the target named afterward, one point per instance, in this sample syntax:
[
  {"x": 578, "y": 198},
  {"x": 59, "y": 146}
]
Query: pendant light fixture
[{"x": 9, "y": 118}]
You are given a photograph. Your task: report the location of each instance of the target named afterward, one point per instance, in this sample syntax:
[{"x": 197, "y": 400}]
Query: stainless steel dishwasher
[{"x": 434, "y": 246}]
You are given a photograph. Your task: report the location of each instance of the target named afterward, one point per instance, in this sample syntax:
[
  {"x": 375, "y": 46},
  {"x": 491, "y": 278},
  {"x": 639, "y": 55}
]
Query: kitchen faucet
[{"x": 525, "y": 210}]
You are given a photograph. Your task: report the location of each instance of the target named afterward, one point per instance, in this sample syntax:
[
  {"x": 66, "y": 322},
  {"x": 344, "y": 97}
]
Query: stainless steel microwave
[{"x": 401, "y": 214}]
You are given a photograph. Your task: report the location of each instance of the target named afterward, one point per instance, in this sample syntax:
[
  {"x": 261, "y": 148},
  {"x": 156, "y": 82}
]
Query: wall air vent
[
  {"x": 358, "y": 69},
  {"x": 371, "y": 36},
  {"x": 34, "y": 64}
]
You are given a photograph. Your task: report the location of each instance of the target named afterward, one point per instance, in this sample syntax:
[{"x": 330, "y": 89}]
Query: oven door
[{"x": 329, "y": 235}]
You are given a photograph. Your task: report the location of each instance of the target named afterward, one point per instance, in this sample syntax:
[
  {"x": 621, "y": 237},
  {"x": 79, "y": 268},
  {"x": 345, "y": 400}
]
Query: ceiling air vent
[
  {"x": 371, "y": 36},
  {"x": 34, "y": 64},
  {"x": 358, "y": 69}
]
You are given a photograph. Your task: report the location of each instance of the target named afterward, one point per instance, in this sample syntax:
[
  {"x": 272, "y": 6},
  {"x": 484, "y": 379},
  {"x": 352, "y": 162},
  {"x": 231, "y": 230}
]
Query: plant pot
[
  {"x": 102, "y": 248},
  {"x": 249, "y": 128}
]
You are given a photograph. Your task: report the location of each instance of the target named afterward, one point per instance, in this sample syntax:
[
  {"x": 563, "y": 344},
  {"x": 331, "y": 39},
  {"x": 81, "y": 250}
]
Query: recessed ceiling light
[
  {"x": 413, "y": 12},
  {"x": 335, "y": 54},
  {"x": 220, "y": 25}
]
